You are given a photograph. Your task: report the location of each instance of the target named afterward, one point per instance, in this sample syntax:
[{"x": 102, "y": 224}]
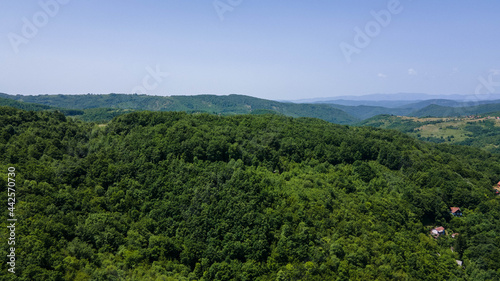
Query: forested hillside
[
  {"x": 363, "y": 112},
  {"x": 446, "y": 111},
  {"x": 100, "y": 115},
  {"x": 224, "y": 105},
  {"x": 38, "y": 107},
  {"x": 102, "y": 108},
  {"x": 177, "y": 196}
]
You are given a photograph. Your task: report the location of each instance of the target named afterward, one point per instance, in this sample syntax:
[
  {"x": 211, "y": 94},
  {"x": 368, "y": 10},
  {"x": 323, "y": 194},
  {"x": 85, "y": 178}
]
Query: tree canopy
[{"x": 178, "y": 196}]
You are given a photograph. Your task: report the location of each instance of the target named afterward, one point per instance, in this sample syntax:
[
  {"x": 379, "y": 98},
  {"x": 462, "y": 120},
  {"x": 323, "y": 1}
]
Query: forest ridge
[
  {"x": 178, "y": 196},
  {"x": 101, "y": 108}
]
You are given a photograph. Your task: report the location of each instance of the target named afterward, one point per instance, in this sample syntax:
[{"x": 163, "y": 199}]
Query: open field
[{"x": 479, "y": 131}]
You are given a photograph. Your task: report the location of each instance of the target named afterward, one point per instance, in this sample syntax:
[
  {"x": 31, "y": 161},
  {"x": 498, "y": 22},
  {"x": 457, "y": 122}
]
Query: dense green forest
[
  {"x": 101, "y": 115},
  {"x": 38, "y": 107},
  {"x": 177, "y": 196}
]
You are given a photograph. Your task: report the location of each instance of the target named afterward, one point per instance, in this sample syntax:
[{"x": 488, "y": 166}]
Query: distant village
[{"x": 473, "y": 117}]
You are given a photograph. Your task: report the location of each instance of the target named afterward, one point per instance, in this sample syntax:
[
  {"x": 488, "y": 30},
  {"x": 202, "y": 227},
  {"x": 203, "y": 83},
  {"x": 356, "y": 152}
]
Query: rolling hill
[
  {"x": 102, "y": 108},
  {"x": 225, "y": 105},
  {"x": 434, "y": 110}
]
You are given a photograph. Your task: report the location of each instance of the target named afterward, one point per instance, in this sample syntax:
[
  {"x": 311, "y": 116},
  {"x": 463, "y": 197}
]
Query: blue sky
[{"x": 268, "y": 49}]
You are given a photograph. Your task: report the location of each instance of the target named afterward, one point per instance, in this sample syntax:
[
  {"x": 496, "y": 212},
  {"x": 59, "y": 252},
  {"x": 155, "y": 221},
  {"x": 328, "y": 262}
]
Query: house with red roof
[
  {"x": 455, "y": 211},
  {"x": 438, "y": 231}
]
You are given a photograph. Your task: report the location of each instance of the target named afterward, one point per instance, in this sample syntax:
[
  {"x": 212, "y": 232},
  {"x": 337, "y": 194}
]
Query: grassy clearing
[
  {"x": 450, "y": 129},
  {"x": 478, "y": 131}
]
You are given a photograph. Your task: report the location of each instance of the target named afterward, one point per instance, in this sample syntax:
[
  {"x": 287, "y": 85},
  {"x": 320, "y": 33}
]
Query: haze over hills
[
  {"x": 449, "y": 103},
  {"x": 427, "y": 108},
  {"x": 435, "y": 110},
  {"x": 418, "y": 105},
  {"x": 225, "y": 105},
  {"x": 399, "y": 97},
  {"x": 100, "y": 108}
]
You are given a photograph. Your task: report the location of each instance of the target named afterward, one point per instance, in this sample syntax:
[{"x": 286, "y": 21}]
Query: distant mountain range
[
  {"x": 101, "y": 108},
  {"x": 399, "y": 98}
]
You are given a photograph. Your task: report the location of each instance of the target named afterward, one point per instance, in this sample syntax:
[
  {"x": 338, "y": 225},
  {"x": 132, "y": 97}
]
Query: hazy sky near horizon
[{"x": 267, "y": 49}]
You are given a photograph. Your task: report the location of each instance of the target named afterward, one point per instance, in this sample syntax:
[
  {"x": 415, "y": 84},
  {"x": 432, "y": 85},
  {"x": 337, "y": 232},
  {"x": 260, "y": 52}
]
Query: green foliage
[
  {"x": 22, "y": 105},
  {"x": 224, "y": 105},
  {"x": 177, "y": 196},
  {"x": 434, "y": 110}
]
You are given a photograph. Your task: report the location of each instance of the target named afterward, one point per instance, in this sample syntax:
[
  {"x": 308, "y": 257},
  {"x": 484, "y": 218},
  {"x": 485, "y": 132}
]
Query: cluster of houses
[
  {"x": 439, "y": 231},
  {"x": 478, "y": 117},
  {"x": 456, "y": 212}
]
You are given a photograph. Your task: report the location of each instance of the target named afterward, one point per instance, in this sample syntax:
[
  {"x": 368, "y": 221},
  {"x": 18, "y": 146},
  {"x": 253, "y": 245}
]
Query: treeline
[
  {"x": 176, "y": 196},
  {"x": 223, "y": 105},
  {"x": 98, "y": 115}
]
